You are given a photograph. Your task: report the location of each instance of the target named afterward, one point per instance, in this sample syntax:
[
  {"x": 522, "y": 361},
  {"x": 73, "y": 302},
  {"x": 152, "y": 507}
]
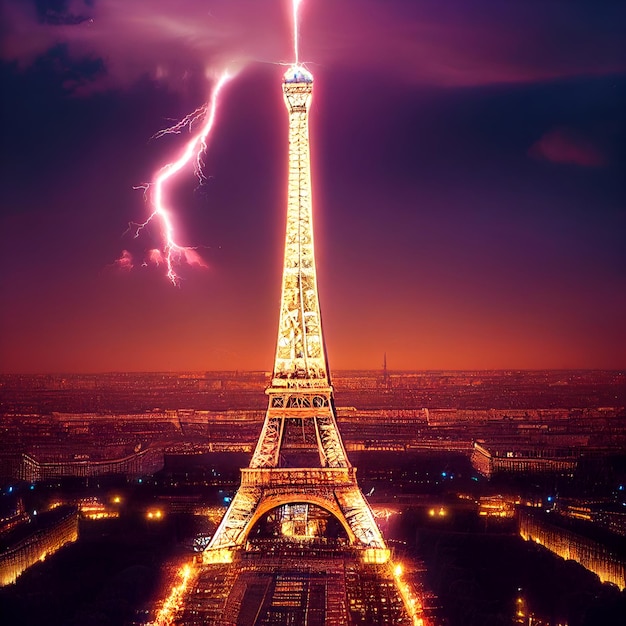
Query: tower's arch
[{"x": 275, "y": 501}]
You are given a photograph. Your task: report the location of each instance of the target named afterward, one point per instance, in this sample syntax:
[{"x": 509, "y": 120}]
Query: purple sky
[{"x": 468, "y": 165}]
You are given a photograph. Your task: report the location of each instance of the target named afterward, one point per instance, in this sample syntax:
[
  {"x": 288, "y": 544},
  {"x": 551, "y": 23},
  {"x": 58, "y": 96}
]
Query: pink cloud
[
  {"x": 155, "y": 257},
  {"x": 167, "y": 40},
  {"x": 449, "y": 44},
  {"x": 182, "y": 255},
  {"x": 124, "y": 263},
  {"x": 561, "y": 145},
  {"x": 193, "y": 258}
]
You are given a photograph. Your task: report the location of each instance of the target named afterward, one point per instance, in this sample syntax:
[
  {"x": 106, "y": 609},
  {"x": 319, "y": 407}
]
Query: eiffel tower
[{"x": 300, "y": 457}]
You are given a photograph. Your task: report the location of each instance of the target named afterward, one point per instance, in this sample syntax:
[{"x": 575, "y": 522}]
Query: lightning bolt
[
  {"x": 296, "y": 20},
  {"x": 172, "y": 252}
]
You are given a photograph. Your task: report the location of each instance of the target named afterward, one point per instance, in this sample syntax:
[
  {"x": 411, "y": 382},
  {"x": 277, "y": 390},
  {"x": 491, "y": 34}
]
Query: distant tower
[
  {"x": 385, "y": 373},
  {"x": 300, "y": 457}
]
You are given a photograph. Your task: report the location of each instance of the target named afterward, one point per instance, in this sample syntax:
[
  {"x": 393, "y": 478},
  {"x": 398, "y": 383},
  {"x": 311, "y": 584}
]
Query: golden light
[
  {"x": 411, "y": 602},
  {"x": 156, "y": 514},
  {"x": 94, "y": 509},
  {"x": 173, "y": 603},
  {"x": 381, "y": 512},
  {"x": 222, "y": 555},
  {"x": 116, "y": 500}
]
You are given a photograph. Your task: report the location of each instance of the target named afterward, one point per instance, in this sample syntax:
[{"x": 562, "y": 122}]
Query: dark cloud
[
  {"x": 428, "y": 42},
  {"x": 562, "y": 145},
  {"x": 166, "y": 40},
  {"x": 457, "y": 43}
]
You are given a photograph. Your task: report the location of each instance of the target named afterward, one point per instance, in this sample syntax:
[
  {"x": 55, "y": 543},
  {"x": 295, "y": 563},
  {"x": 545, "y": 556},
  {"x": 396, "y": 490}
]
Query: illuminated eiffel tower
[{"x": 300, "y": 457}]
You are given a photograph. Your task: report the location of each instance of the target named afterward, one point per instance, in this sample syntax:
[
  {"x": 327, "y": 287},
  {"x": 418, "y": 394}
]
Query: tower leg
[
  {"x": 234, "y": 525},
  {"x": 358, "y": 514}
]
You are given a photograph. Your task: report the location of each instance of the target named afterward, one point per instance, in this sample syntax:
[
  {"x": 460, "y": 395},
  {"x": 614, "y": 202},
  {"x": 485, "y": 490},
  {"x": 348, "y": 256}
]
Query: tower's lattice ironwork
[{"x": 300, "y": 456}]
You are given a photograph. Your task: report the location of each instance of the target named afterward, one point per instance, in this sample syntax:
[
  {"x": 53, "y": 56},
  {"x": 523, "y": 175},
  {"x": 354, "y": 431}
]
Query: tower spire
[{"x": 300, "y": 358}]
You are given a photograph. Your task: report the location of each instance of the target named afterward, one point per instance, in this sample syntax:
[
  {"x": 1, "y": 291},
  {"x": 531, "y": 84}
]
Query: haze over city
[{"x": 467, "y": 168}]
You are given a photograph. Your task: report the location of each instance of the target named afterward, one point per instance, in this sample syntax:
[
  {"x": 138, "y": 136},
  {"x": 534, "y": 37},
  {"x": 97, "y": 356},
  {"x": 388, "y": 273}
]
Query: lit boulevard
[
  {"x": 411, "y": 601},
  {"x": 173, "y": 603}
]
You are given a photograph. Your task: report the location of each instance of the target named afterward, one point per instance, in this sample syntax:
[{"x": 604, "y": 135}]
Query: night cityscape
[
  {"x": 449, "y": 450},
  {"x": 480, "y": 495}
]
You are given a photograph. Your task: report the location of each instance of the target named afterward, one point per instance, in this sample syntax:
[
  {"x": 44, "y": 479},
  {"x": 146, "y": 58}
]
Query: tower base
[{"x": 333, "y": 489}]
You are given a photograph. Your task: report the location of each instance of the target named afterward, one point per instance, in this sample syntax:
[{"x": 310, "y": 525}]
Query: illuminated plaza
[{"x": 296, "y": 568}]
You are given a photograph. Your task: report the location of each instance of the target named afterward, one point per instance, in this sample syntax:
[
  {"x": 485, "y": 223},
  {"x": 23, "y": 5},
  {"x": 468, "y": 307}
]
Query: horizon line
[{"x": 269, "y": 372}]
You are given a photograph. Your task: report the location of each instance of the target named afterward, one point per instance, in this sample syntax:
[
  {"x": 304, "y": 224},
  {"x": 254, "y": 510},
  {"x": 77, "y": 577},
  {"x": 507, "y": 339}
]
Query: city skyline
[{"x": 469, "y": 211}]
